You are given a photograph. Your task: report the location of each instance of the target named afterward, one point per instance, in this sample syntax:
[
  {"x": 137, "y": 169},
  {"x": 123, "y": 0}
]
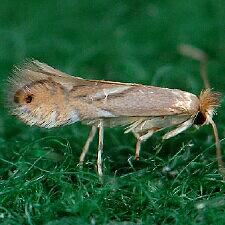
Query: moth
[{"x": 43, "y": 96}]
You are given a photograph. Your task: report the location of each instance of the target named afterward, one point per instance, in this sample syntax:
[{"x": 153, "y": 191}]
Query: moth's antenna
[
  {"x": 218, "y": 148},
  {"x": 200, "y": 56}
]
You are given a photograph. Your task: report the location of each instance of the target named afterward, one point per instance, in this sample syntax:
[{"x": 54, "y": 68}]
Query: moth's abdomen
[{"x": 43, "y": 103}]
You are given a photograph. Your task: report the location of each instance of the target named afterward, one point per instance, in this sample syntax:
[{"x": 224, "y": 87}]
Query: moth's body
[{"x": 43, "y": 96}]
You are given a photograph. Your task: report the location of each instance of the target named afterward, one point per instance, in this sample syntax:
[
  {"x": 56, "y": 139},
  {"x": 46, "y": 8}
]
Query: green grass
[{"x": 176, "y": 181}]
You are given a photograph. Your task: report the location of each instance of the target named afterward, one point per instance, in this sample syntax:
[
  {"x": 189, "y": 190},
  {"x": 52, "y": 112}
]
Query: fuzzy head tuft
[{"x": 208, "y": 102}]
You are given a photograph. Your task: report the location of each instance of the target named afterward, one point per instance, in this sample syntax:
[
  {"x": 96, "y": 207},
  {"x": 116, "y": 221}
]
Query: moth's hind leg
[
  {"x": 140, "y": 139},
  {"x": 87, "y": 144}
]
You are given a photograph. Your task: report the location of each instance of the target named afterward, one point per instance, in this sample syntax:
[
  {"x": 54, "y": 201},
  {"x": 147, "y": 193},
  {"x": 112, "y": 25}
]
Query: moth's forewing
[
  {"x": 139, "y": 100},
  {"x": 46, "y": 97}
]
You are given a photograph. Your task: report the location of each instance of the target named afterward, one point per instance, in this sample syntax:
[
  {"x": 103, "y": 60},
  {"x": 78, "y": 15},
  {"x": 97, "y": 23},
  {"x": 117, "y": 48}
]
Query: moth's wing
[
  {"x": 33, "y": 70},
  {"x": 59, "y": 99},
  {"x": 130, "y": 100}
]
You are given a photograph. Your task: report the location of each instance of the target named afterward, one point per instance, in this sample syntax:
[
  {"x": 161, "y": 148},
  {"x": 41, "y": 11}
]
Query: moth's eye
[{"x": 200, "y": 119}]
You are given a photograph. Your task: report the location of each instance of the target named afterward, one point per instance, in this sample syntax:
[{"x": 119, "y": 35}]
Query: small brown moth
[{"x": 41, "y": 95}]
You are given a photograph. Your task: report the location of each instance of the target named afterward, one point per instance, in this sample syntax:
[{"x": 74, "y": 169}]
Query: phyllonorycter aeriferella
[{"x": 41, "y": 95}]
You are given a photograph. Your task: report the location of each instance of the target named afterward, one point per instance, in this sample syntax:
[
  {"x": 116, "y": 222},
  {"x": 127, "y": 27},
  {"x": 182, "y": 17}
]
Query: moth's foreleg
[
  {"x": 100, "y": 149},
  {"x": 180, "y": 128},
  {"x": 87, "y": 144},
  {"x": 140, "y": 139}
]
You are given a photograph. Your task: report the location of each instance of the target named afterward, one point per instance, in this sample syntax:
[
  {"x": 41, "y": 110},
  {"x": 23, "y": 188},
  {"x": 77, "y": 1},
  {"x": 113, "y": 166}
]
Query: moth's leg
[
  {"x": 182, "y": 127},
  {"x": 132, "y": 126},
  {"x": 138, "y": 146},
  {"x": 100, "y": 149},
  {"x": 87, "y": 144},
  {"x": 140, "y": 139}
]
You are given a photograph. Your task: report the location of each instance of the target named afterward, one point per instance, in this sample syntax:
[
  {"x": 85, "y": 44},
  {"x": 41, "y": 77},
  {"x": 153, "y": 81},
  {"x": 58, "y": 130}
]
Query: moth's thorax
[{"x": 187, "y": 101}]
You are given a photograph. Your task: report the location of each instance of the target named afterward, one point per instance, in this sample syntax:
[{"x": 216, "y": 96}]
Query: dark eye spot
[
  {"x": 29, "y": 98},
  {"x": 199, "y": 119}
]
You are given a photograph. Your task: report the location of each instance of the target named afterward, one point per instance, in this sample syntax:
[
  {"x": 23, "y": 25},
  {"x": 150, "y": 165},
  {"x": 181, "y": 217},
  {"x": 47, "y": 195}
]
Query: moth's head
[{"x": 208, "y": 102}]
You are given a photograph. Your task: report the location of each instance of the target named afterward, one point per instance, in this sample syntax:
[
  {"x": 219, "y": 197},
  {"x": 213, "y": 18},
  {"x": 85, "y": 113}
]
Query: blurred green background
[{"x": 176, "y": 181}]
